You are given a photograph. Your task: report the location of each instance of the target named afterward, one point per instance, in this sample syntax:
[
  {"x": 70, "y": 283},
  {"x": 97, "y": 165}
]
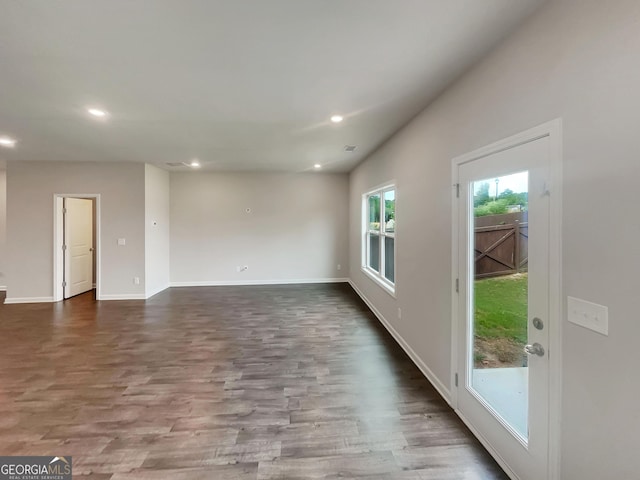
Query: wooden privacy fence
[{"x": 501, "y": 243}]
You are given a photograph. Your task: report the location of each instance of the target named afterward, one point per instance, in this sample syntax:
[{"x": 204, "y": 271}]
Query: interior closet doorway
[{"x": 76, "y": 245}]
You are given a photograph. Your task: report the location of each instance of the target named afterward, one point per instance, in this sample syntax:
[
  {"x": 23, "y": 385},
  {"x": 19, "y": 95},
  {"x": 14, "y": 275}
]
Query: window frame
[{"x": 379, "y": 276}]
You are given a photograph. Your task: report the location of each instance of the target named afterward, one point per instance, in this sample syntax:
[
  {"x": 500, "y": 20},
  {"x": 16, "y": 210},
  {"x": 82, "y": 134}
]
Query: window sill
[{"x": 390, "y": 289}]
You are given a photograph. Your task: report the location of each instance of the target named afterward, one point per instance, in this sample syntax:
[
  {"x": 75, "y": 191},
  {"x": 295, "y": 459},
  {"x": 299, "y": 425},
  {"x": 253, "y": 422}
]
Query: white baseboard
[
  {"x": 426, "y": 371},
  {"x": 226, "y": 283},
  {"x": 124, "y": 296},
  {"x": 28, "y": 300},
  {"x": 156, "y": 291},
  {"x": 142, "y": 296},
  {"x": 135, "y": 296},
  {"x": 3, "y": 288}
]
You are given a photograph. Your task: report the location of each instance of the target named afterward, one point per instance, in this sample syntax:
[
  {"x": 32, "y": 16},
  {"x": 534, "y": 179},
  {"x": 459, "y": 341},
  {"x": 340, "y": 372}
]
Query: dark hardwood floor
[{"x": 273, "y": 382}]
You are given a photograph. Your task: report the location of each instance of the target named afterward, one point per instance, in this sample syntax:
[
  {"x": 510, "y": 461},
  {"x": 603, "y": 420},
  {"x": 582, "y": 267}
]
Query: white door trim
[
  {"x": 552, "y": 130},
  {"x": 58, "y": 258}
]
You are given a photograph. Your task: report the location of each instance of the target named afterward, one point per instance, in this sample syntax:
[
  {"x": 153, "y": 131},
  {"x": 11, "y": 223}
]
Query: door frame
[
  {"x": 58, "y": 238},
  {"x": 553, "y": 131}
]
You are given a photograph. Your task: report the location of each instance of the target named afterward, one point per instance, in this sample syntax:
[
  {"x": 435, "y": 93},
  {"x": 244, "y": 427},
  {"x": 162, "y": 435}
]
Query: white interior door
[
  {"x": 78, "y": 241},
  {"x": 503, "y": 304}
]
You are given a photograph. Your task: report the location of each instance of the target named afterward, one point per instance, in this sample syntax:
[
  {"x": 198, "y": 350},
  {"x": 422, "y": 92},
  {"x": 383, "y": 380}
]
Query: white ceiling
[{"x": 239, "y": 84}]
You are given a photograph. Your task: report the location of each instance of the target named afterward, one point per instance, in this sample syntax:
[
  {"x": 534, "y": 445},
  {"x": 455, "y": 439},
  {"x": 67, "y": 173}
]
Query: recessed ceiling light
[
  {"x": 96, "y": 112},
  {"x": 194, "y": 164},
  {"x": 317, "y": 166},
  {"x": 7, "y": 142},
  {"x": 337, "y": 118}
]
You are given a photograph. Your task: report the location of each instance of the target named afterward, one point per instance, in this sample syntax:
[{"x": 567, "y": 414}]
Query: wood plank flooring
[{"x": 265, "y": 382}]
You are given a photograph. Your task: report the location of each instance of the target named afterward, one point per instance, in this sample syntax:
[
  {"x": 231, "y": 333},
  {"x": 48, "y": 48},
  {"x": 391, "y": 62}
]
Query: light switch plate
[
  {"x": 589, "y": 315},
  {"x": 122, "y": 241}
]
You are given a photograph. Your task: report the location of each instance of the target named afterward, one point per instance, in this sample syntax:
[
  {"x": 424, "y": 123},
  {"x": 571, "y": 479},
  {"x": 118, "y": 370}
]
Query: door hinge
[
  {"x": 456, "y": 379},
  {"x": 64, "y": 210},
  {"x": 64, "y": 284},
  {"x": 457, "y": 190},
  {"x": 457, "y": 285},
  {"x": 64, "y": 248}
]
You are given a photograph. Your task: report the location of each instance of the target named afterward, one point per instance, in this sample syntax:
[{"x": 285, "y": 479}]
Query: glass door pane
[{"x": 499, "y": 283}]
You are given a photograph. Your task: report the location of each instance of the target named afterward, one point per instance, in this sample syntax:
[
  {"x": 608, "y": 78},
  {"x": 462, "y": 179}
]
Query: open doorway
[{"x": 76, "y": 245}]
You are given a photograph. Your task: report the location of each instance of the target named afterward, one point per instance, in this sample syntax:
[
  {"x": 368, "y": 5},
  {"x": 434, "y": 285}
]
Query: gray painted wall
[
  {"x": 575, "y": 59},
  {"x": 296, "y": 228},
  {"x": 3, "y": 227},
  {"x": 156, "y": 212},
  {"x": 30, "y": 190}
]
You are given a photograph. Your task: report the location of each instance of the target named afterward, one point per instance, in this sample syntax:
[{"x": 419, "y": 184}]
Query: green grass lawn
[{"x": 501, "y": 307}]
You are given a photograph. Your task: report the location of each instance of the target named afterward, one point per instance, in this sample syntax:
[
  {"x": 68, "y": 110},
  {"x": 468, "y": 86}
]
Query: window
[{"x": 379, "y": 235}]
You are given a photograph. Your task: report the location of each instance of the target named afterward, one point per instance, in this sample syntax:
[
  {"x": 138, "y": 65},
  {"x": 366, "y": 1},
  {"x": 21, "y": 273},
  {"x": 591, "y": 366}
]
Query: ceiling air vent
[{"x": 349, "y": 148}]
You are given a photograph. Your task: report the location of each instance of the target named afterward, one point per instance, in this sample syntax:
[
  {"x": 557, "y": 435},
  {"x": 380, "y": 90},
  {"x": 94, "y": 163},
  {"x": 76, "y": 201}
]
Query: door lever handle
[{"x": 535, "y": 349}]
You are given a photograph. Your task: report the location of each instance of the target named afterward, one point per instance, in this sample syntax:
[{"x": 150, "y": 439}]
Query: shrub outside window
[{"x": 379, "y": 235}]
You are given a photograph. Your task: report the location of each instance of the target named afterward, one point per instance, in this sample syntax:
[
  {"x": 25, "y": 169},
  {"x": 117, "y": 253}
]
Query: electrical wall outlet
[
  {"x": 136, "y": 280},
  {"x": 339, "y": 267},
  {"x": 588, "y": 315}
]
